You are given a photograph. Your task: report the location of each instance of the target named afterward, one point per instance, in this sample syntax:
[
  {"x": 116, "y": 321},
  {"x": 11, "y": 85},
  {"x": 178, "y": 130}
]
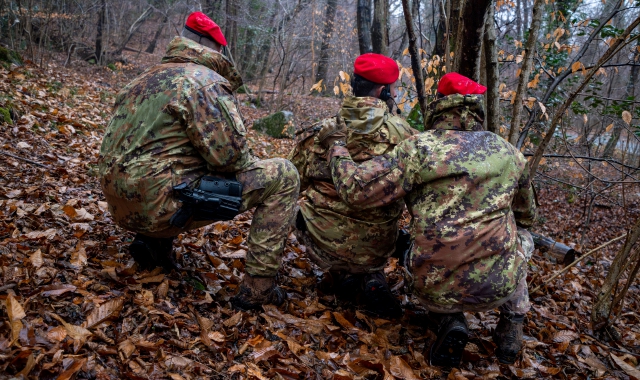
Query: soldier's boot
[
  {"x": 256, "y": 291},
  {"x": 378, "y": 298},
  {"x": 452, "y": 337},
  {"x": 151, "y": 252},
  {"x": 508, "y": 337}
]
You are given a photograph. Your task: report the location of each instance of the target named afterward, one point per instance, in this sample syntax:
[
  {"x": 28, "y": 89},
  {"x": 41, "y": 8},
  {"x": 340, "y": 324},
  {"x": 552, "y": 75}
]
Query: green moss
[
  {"x": 278, "y": 125},
  {"x": 5, "y": 116},
  {"x": 112, "y": 67},
  {"x": 10, "y": 56}
]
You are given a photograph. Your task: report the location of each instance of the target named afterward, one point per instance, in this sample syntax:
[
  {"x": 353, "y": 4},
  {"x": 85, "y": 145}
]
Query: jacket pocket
[
  {"x": 372, "y": 173},
  {"x": 231, "y": 114}
]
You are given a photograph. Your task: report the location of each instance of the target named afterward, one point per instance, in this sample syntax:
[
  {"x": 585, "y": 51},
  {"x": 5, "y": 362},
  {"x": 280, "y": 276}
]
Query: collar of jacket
[
  {"x": 458, "y": 112},
  {"x": 181, "y": 50},
  {"x": 364, "y": 115}
]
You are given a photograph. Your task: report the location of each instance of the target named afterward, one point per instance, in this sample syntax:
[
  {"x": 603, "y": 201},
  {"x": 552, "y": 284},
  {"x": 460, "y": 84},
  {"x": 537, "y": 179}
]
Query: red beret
[
  {"x": 376, "y": 68},
  {"x": 454, "y": 83},
  {"x": 202, "y": 25}
]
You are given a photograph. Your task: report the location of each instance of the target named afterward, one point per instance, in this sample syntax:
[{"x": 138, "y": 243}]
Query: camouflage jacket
[
  {"x": 174, "y": 123},
  {"x": 359, "y": 237},
  {"x": 465, "y": 189}
]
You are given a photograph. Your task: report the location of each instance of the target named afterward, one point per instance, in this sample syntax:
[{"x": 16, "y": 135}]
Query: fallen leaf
[
  {"x": 57, "y": 290},
  {"x": 14, "y": 309},
  {"x": 103, "y": 312},
  {"x": 400, "y": 369},
  {"x": 36, "y": 259},
  {"x": 628, "y": 369}
]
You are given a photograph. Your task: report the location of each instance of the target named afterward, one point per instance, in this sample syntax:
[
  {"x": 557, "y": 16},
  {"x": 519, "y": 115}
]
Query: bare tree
[
  {"x": 469, "y": 39},
  {"x": 329, "y": 23},
  {"x": 379, "y": 29},
  {"x": 363, "y": 21}
]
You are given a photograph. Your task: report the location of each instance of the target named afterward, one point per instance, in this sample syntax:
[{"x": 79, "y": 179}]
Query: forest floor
[{"x": 73, "y": 306}]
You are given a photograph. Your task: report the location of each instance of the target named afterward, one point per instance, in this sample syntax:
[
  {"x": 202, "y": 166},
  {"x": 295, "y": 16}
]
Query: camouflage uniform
[
  {"x": 177, "y": 122},
  {"x": 466, "y": 189},
  {"x": 338, "y": 236}
]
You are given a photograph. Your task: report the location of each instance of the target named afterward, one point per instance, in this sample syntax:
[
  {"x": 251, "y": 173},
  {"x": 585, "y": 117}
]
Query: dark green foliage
[{"x": 10, "y": 56}]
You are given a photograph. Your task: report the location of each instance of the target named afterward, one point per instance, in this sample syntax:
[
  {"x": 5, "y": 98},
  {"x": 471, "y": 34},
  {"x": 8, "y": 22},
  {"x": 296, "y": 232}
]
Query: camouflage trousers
[
  {"x": 272, "y": 187},
  {"x": 517, "y": 302},
  {"x": 332, "y": 264}
]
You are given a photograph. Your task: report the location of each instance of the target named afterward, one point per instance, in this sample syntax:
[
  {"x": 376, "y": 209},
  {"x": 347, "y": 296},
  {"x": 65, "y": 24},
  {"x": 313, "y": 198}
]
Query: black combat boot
[
  {"x": 453, "y": 335},
  {"x": 151, "y": 252},
  {"x": 508, "y": 337},
  {"x": 378, "y": 298},
  {"x": 256, "y": 291}
]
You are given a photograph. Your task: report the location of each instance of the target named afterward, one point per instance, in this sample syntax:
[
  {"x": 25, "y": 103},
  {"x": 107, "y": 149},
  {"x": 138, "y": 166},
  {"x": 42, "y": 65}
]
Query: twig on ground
[
  {"x": 577, "y": 261},
  {"x": 25, "y": 160}
]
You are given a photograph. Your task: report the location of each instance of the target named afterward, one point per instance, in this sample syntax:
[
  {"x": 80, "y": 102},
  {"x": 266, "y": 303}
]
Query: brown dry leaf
[
  {"x": 76, "y": 332},
  {"x": 57, "y": 289},
  {"x": 175, "y": 376},
  {"x": 341, "y": 374},
  {"x": 233, "y": 320},
  {"x": 627, "y": 368},
  {"x": 69, "y": 210},
  {"x": 78, "y": 257},
  {"x": 163, "y": 289},
  {"x": 145, "y": 297},
  {"x": 253, "y": 370},
  {"x": 36, "y": 259},
  {"x": 57, "y": 334},
  {"x": 27, "y": 368},
  {"x": 237, "y": 368},
  {"x": 48, "y": 234},
  {"x": 72, "y": 369},
  {"x": 626, "y": 116},
  {"x": 14, "y": 309},
  {"x": 524, "y": 373},
  {"x": 103, "y": 312},
  {"x": 127, "y": 348},
  {"x": 79, "y": 229},
  {"x": 177, "y": 362},
  {"x": 400, "y": 369},
  {"x": 83, "y": 215},
  {"x": 151, "y": 279},
  {"x": 216, "y": 336},
  {"x": 565, "y": 336}
]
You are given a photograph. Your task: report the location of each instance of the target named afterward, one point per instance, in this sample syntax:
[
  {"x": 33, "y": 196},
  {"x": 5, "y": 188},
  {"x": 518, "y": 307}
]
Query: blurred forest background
[{"x": 562, "y": 78}]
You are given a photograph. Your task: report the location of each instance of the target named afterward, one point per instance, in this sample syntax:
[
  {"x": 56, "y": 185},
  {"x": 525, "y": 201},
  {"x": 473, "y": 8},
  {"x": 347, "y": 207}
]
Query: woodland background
[{"x": 562, "y": 78}]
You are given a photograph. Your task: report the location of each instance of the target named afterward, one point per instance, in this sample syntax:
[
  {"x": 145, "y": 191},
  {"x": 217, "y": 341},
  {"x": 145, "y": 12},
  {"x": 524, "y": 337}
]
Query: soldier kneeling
[{"x": 469, "y": 193}]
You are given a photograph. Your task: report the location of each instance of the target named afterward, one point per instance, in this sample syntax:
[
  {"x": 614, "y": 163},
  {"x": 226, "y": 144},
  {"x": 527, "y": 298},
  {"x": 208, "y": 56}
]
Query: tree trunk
[
  {"x": 455, "y": 19},
  {"x": 415, "y": 58},
  {"x": 493, "y": 74},
  {"x": 102, "y": 19},
  {"x": 231, "y": 27},
  {"x": 469, "y": 39},
  {"x": 519, "y": 19},
  {"x": 152, "y": 45},
  {"x": 379, "y": 29},
  {"x": 363, "y": 19},
  {"x": 329, "y": 24},
  {"x": 609, "y": 149},
  {"x": 525, "y": 71},
  {"x": 440, "y": 47},
  {"x": 605, "y": 303}
]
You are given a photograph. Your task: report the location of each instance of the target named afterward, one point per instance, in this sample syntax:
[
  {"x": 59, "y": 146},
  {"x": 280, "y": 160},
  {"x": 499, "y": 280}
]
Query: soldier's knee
[{"x": 288, "y": 172}]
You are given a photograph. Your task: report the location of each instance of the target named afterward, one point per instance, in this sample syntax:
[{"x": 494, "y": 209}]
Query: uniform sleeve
[
  {"x": 299, "y": 157},
  {"x": 524, "y": 202},
  {"x": 216, "y": 130},
  {"x": 374, "y": 183}
]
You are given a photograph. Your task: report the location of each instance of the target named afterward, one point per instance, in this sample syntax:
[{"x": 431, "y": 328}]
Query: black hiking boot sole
[{"x": 447, "y": 351}]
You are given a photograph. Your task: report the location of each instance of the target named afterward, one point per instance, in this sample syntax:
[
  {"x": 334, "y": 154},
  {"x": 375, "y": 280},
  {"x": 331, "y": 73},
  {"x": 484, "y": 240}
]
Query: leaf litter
[{"x": 74, "y": 307}]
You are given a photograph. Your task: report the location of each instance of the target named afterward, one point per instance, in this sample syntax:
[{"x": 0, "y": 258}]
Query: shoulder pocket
[{"x": 231, "y": 114}]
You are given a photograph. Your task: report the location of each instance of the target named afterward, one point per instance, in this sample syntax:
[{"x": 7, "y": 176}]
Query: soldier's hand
[{"x": 330, "y": 133}]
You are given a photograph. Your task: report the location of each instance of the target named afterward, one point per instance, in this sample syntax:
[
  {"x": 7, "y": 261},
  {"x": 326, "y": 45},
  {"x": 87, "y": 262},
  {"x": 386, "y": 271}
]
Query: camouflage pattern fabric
[
  {"x": 340, "y": 237},
  {"x": 177, "y": 122},
  {"x": 465, "y": 189}
]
